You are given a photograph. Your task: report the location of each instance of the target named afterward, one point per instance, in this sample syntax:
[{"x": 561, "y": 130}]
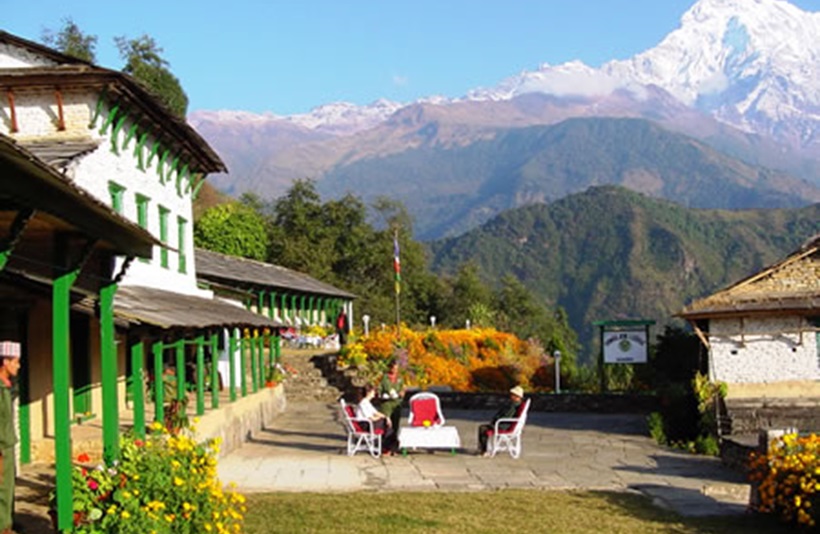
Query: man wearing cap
[
  {"x": 9, "y": 367},
  {"x": 508, "y": 410}
]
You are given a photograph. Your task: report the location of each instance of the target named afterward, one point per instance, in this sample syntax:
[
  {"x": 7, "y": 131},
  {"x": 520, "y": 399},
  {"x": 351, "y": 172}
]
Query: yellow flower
[
  {"x": 178, "y": 481},
  {"x": 125, "y": 514}
]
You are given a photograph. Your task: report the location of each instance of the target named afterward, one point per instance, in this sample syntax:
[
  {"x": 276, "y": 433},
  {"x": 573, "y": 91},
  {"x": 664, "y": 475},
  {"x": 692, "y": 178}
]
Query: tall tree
[
  {"x": 71, "y": 41},
  {"x": 144, "y": 61},
  {"x": 235, "y": 229},
  {"x": 471, "y": 298},
  {"x": 519, "y": 312}
]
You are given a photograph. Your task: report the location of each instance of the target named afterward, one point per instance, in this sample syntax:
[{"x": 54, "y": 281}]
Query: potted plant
[{"x": 274, "y": 376}]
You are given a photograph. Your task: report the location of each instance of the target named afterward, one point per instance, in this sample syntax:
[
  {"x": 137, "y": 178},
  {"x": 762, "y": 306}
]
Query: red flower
[
  {"x": 84, "y": 458},
  {"x": 139, "y": 442},
  {"x": 92, "y": 484}
]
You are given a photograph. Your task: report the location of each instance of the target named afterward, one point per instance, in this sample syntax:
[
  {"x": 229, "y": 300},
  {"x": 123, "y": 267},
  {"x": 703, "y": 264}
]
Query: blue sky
[{"x": 287, "y": 56}]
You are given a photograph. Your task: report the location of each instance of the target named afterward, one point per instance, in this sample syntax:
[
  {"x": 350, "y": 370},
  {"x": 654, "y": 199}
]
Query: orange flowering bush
[
  {"x": 479, "y": 359},
  {"x": 788, "y": 479}
]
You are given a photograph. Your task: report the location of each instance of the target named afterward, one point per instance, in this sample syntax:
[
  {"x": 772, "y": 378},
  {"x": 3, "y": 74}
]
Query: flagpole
[{"x": 397, "y": 269}]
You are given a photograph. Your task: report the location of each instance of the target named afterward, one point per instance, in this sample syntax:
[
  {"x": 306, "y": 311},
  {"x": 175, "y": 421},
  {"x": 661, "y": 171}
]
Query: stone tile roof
[
  {"x": 792, "y": 284},
  {"x": 29, "y": 181},
  {"x": 231, "y": 271},
  {"x": 153, "y": 116},
  {"x": 166, "y": 309},
  {"x": 58, "y": 153}
]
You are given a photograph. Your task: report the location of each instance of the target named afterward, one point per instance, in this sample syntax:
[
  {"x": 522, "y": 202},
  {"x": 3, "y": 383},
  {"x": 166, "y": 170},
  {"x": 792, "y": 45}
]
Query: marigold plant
[
  {"x": 479, "y": 359},
  {"x": 164, "y": 484},
  {"x": 788, "y": 479}
]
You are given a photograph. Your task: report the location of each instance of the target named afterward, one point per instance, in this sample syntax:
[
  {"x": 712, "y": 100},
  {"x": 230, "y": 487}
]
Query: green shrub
[
  {"x": 165, "y": 484},
  {"x": 655, "y": 424}
]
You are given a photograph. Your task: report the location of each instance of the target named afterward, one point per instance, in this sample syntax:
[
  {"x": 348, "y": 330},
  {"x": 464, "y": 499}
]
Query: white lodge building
[
  {"x": 114, "y": 141},
  {"x": 112, "y": 138}
]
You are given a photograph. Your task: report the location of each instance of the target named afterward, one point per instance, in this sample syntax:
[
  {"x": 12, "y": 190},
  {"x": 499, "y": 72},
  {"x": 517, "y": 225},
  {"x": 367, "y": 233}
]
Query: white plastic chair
[
  {"x": 361, "y": 436},
  {"x": 509, "y": 439},
  {"x": 425, "y": 406}
]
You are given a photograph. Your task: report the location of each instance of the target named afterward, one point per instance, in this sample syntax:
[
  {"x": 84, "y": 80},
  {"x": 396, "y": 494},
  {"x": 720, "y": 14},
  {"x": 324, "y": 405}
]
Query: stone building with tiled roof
[{"x": 763, "y": 333}]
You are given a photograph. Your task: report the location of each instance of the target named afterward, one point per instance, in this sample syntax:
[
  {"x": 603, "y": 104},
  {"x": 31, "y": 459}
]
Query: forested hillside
[
  {"x": 452, "y": 189},
  {"x": 610, "y": 253}
]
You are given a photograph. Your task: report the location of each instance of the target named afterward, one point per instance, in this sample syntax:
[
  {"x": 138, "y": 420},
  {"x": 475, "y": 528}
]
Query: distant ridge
[
  {"x": 452, "y": 189},
  {"x": 610, "y": 253}
]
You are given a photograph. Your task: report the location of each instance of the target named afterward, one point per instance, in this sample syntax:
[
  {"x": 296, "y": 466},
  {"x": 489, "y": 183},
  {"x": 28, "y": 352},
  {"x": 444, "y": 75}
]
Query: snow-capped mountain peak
[{"x": 753, "y": 64}]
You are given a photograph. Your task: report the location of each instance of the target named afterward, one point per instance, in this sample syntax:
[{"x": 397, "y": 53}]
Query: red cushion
[
  {"x": 351, "y": 414},
  {"x": 425, "y": 410}
]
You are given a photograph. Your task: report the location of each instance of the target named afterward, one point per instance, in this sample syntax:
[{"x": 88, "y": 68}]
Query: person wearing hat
[
  {"x": 508, "y": 410},
  {"x": 9, "y": 367}
]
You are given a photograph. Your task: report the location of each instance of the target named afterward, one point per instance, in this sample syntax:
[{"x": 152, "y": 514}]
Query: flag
[{"x": 397, "y": 263}]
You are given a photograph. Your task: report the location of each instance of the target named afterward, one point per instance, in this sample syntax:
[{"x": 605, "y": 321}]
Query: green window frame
[
  {"x": 163, "y": 235},
  {"x": 116, "y": 191},
  {"x": 142, "y": 215},
  {"x": 182, "y": 226}
]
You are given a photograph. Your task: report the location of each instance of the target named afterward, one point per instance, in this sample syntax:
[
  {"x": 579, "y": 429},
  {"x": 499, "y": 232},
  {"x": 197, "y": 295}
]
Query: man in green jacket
[
  {"x": 9, "y": 367},
  {"x": 507, "y": 411}
]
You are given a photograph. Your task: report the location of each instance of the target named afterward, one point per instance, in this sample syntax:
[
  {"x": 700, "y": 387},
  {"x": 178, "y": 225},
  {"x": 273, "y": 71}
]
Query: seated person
[
  {"x": 508, "y": 410},
  {"x": 366, "y": 410},
  {"x": 391, "y": 391}
]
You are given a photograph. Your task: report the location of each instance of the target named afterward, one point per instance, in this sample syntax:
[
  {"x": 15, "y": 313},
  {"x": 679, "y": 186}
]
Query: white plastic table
[{"x": 433, "y": 437}]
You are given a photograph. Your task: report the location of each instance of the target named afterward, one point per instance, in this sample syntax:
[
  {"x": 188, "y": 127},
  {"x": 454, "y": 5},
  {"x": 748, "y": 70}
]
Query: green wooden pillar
[
  {"x": 302, "y": 309},
  {"x": 260, "y": 352},
  {"x": 243, "y": 375},
  {"x": 179, "y": 347},
  {"x": 159, "y": 378},
  {"x": 232, "y": 365},
  {"x": 277, "y": 347},
  {"x": 60, "y": 321},
  {"x": 311, "y": 318},
  {"x": 137, "y": 350},
  {"x": 200, "y": 375},
  {"x": 214, "y": 343},
  {"x": 108, "y": 373},
  {"x": 272, "y": 305},
  {"x": 293, "y": 309},
  {"x": 320, "y": 320},
  {"x": 254, "y": 361},
  {"x": 283, "y": 314},
  {"x": 260, "y": 302},
  {"x": 24, "y": 408}
]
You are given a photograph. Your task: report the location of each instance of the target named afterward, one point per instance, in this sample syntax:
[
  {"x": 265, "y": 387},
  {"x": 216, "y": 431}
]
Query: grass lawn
[{"x": 524, "y": 511}]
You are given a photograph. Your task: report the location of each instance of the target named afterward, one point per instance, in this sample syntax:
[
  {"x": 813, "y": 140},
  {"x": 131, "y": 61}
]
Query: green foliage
[
  {"x": 143, "y": 61},
  {"x": 612, "y": 253},
  {"x": 71, "y": 41},
  {"x": 654, "y": 422},
  {"x": 234, "y": 229},
  {"x": 165, "y": 483}
]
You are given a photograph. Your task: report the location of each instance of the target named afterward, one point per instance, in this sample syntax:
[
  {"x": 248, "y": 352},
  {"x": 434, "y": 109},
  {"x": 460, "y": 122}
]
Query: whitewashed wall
[
  {"x": 37, "y": 119},
  {"x": 763, "y": 356}
]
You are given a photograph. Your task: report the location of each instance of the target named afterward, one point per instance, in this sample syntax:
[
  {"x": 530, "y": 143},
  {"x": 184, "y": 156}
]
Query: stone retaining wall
[
  {"x": 541, "y": 402},
  {"x": 549, "y": 402},
  {"x": 234, "y": 422}
]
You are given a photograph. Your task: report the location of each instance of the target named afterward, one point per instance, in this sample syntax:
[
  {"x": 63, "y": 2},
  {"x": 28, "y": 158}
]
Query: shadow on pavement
[{"x": 687, "y": 466}]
